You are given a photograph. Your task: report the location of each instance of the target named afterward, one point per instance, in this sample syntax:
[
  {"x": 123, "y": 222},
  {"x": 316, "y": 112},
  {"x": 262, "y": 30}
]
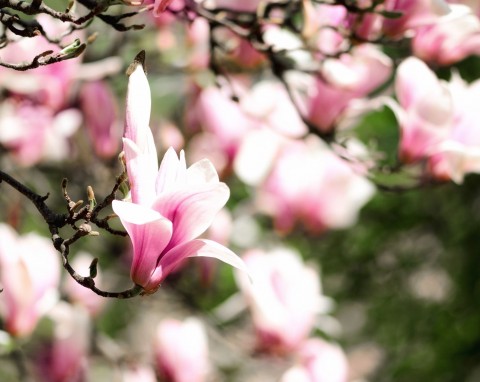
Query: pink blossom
[
  {"x": 415, "y": 13},
  {"x": 48, "y": 85},
  {"x": 319, "y": 361},
  {"x": 171, "y": 205},
  {"x": 37, "y": 100},
  {"x": 65, "y": 358},
  {"x": 29, "y": 274},
  {"x": 266, "y": 106},
  {"x": 343, "y": 81},
  {"x": 425, "y": 110},
  {"x": 438, "y": 121},
  {"x": 284, "y": 298},
  {"x": 160, "y": 6},
  {"x": 450, "y": 39},
  {"x": 103, "y": 128},
  {"x": 474, "y": 5},
  {"x": 39, "y": 134},
  {"x": 306, "y": 182},
  {"x": 181, "y": 351}
]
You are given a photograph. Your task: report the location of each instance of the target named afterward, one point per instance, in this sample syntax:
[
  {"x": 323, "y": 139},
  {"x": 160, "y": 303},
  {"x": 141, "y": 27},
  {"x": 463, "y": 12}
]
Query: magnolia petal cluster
[
  {"x": 438, "y": 121},
  {"x": 171, "y": 205},
  {"x": 37, "y": 102},
  {"x": 319, "y": 361},
  {"x": 181, "y": 350},
  {"x": 29, "y": 274},
  {"x": 285, "y": 298},
  {"x": 306, "y": 183}
]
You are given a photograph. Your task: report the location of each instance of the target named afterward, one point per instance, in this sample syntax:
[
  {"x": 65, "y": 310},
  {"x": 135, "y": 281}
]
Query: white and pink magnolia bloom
[
  {"x": 318, "y": 361},
  {"x": 29, "y": 275},
  {"x": 285, "y": 298},
  {"x": 344, "y": 81},
  {"x": 171, "y": 205},
  {"x": 181, "y": 350},
  {"x": 450, "y": 39},
  {"x": 39, "y": 134},
  {"x": 227, "y": 123},
  {"x": 160, "y": 6},
  {"x": 48, "y": 85},
  {"x": 438, "y": 121},
  {"x": 303, "y": 181},
  {"x": 415, "y": 13}
]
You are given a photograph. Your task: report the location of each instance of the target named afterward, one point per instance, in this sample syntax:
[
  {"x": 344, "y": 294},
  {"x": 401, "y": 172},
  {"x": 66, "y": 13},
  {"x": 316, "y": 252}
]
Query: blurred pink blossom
[
  {"x": 415, "y": 13},
  {"x": 226, "y": 122},
  {"x": 160, "y": 6},
  {"x": 319, "y": 361},
  {"x": 305, "y": 182},
  {"x": 49, "y": 85},
  {"x": 324, "y": 100},
  {"x": 474, "y": 5},
  {"x": 181, "y": 351},
  {"x": 39, "y": 133},
  {"x": 284, "y": 297},
  {"x": 103, "y": 127},
  {"x": 438, "y": 121},
  {"x": 171, "y": 206},
  {"x": 65, "y": 358},
  {"x": 450, "y": 39},
  {"x": 29, "y": 274},
  {"x": 37, "y": 100}
]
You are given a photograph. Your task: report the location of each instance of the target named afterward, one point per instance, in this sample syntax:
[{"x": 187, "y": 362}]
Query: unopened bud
[{"x": 93, "y": 268}]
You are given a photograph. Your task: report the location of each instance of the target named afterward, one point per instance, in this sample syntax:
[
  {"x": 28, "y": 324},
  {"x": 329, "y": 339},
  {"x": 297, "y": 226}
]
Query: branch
[
  {"x": 56, "y": 221},
  {"x": 53, "y": 219}
]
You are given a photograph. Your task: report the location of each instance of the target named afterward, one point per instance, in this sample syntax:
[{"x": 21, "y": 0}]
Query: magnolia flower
[
  {"x": 319, "y": 361},
  {"x": 29, "y": 274},
  {"x": 452, "y": 38},
  {"x": 303, "y": 181},
  {"x": 414, "y": 13},
  {"x": 181, "y": 350},
  {"x": 170, "y": 206},
  {"x": 285, "y": 298},
  {"x": 160, "y": 6},
  {"x": 345, "y": 80},
  {"x": 438, "y": 121}
]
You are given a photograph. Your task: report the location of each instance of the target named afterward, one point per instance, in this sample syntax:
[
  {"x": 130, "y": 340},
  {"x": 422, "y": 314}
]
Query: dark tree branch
[{"x": 83, "y": 215}]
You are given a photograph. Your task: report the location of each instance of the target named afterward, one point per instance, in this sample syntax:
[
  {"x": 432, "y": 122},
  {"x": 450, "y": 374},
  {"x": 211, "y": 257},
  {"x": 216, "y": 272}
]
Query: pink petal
[
  {"x": 138, "y": 105},
  {"x": 141, "y": 169},
  {"x": 192, "y": 212},
  {"x": 194, "y": 248},
  {"x": 172, "y": 172},
  {"x": 201, "y": 172},
  {"x": 160, "y": 6},
  {"x": 414, "y": 80},
  {"x": 149, "y": 232}
]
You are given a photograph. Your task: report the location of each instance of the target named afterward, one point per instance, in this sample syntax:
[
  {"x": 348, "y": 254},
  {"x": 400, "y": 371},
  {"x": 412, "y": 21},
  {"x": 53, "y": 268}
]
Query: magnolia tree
[{"x": 248, "y": 142}]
